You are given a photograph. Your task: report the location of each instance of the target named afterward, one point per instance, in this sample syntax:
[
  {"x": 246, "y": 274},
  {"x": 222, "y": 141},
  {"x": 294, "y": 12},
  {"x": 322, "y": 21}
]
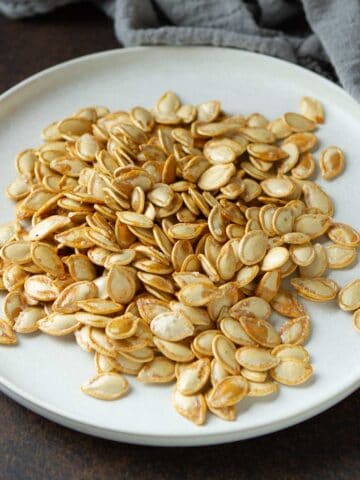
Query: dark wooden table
[{"x": 324, "y": 448}]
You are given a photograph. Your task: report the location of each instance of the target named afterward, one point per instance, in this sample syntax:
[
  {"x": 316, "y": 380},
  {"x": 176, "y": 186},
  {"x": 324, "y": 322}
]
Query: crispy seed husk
[
  {"x": 66, "y": 302},
  {"x": 318, "y": 266},
  {"x": 224, "y": 352},
  {"x": 121, "y": 327},
  {"x": 233, "y": 330},
  {"x": 260, "y": 331},
  {"x": 27, "y": 320},
  {"x": 251, "y": 306},
  {"x": 229, "y": 391},
  {"x": 298, "y": 123},
  {"x": 291, "y": 372},
  {"x": 285, "y": 303},
  {"x": 171, "y": 326},
  {"x": 349, "y": 296},
  {"x": 295, "y": 331},
  {"x": 269, "y": 285},
  {"x": 7, "y": 335},
  {"x": 261, "y": 389},
  {"x": 317, "y": 289},
  {"x": 257, "y": 359},
  {"x": 339, "y": 256},
  {"x": 291, "y": 351},
  {"x": 174, "y": 351},
  {"x": 106, "y": 386},
  {"x": 331, "y": 162},
  {"x": 312, "y": 109},
  {"x": 59, "y": 324},
  {"x": 82, "y": 337},
  {"x": 252, "y": 247},
  {"x": 225, "y": 413},
  {"x": 159, "y": 370},
  {"x": 192, "y": 407},
  {"x": 343, "y": 234},
  {"x": 193, "y": 377}
]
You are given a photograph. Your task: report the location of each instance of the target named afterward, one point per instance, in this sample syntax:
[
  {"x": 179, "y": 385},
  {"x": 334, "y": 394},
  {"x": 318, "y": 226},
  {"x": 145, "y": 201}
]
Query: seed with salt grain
[
  {"x": 106, "y": 386},
  {"x": 291, "y": 372}
]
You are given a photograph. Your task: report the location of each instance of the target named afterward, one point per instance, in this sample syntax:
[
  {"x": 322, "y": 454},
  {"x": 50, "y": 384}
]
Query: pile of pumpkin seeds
[{"x": 160, "y": 239}]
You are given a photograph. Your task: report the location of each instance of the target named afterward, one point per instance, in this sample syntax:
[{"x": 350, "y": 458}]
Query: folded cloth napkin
[{"x": 323, "y": 35}]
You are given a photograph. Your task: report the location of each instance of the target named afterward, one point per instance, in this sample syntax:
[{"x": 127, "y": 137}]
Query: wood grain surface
[{"x": 326, "y": 447}]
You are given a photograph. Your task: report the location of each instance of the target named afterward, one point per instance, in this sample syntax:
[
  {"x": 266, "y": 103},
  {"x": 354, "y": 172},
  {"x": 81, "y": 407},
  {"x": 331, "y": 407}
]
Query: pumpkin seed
[
  {"x": 174, "y": 351},
  {"x": 46, "y": 258},
  {"x": 193, "y": 377},
  {"x": 58, "y": 324},
  {"x": 159, "y": 370},
  {"x": 312, "y": 109},
  {"x": 260, "y": 331},
  {"x": 318, "y": 266},
  {"x": 316, "y": 289},
  {"x": 265, "y": 152},
  {"x": 120, "y": 284},
  {"x": 27, "y": 320},
  {"x": 216, "y": 177},
  {"x": 291, "y": 351},
  {"x": 252, "y": 247},
  {"x": 7, "y": 335},
  {"x": 192, "y": 407},
  {"x": 224, "y": 352},
  {"x": 291, "y": 372},
  {"x": 332, "y": 162},
  {"x": 229, "y": 391},
  {"x": 106, "y": 386},
  {"x": 339, "y": 256},
  {"x": 225, "y": 413},
  {"x": 66, "y": 302},
  {"x": 41, "y": 288},
  {"x": 295, "y": 331},
  {"x": 257, "y": 359},
  {"x": 344, "y": 235},
  {"x": 279, "y": 187},
  {"x": 275, "y": 258},
  {"x": 171, "y": 326},
  {"x": 298, "y": 123},
  {"x": 251, "y": 307},
  {"x": 349, "y": 296},
  {"x": 261, "y": 389}
]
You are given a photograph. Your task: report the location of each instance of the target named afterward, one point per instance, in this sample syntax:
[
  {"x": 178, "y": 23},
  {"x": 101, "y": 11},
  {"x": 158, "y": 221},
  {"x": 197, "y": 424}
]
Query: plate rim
[{"x": 54, "y": 413}]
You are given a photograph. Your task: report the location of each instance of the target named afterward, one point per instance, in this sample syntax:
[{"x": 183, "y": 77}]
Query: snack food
[{"x": 160, "y": 239}]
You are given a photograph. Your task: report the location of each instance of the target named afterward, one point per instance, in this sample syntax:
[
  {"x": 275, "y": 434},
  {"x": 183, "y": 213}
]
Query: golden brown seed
[
  {"x": 343, "y": 234},
  {"x": 312, "y": 109},
  {"x": 291, "y": 372},
  {"x": 7, "y": 335},
  {"x": 331, "y": 162},
  {"x": 228, "y": 391},
  {"x": 106, "y": 386},
  {"x": 315, "y": 289},
  {"x": 192, "y": 407},
  {"x": 349, "y": 296},
  {"x": 295, "y": 331}
]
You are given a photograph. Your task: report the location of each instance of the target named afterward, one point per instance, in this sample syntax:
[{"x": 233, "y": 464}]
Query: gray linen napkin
[{"x": 319, "y": 34}]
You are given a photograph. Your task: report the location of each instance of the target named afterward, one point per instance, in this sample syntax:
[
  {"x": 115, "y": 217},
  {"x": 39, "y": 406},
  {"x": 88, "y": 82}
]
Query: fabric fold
[{"x": 322, "y": 35}]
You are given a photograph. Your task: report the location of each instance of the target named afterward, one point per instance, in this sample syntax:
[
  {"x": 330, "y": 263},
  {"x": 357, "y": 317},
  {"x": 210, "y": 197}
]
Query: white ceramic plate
[{"x": 44, "y": 373}]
